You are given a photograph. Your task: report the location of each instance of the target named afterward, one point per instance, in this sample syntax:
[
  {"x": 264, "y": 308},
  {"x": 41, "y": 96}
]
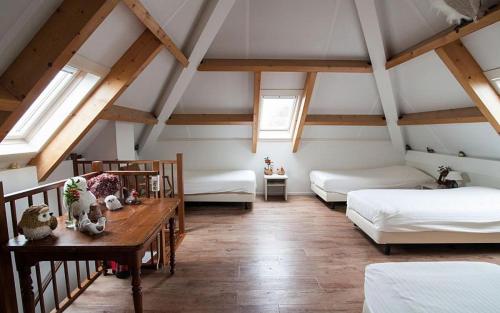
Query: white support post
[
  {"x": 125, "y": 141},
  {"x": 214, "y": 15},
  {"x": 367, "y": 13}
]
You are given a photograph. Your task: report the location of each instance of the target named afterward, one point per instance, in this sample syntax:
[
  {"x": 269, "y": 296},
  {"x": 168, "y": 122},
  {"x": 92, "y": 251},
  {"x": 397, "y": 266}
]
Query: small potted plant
[
  {"x": 104, "y": 185},
  {"x": 268, "y": 170}
]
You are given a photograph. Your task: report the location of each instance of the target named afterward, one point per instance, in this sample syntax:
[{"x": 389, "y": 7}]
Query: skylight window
[
  {"x": 494, "y": 77},
  {"x": 278, "y": 110},
  {"x": 52, "y": 107}
]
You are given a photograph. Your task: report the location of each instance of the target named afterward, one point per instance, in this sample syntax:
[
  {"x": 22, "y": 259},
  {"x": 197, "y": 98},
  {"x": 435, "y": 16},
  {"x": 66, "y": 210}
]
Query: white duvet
[
  {"x": 343, "y": 181},
  {"x": 203, "y": 182},
  {"x": 437, "y": 287},
  {"x": 466, "y": 209}
]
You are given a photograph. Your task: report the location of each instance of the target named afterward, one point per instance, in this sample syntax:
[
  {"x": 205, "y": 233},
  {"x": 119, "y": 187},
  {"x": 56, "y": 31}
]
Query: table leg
[
  {"x": 135, "y": 269},
  {"x": 171, "y": 228},
  {"x": 26, "y": 284},
  {"x": 265, "y": 189}
]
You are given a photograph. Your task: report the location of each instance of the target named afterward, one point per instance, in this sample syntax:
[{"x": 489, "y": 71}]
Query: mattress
[
  {"x": 466, "y": 209},
  {"x": 343, "y": 181},
  {"x": 209, "y": 182},
  {"x": 437, "y": 287}
]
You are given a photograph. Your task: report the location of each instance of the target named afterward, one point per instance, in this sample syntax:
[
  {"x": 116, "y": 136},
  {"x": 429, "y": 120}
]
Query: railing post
[
  {"x": 74, "y": 158},
  {"x": 97, "y": 166},
  {"x": 180, "y": 193},
  {"x": 8, "y": 301},
  {"x": 156, "y": 168}
]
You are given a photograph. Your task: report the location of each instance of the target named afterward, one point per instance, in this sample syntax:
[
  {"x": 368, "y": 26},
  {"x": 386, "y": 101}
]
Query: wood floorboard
[{"x": 280, "y": 257}]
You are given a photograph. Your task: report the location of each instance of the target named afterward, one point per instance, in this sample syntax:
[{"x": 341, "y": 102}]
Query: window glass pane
[{"x": 277, "y": 113}]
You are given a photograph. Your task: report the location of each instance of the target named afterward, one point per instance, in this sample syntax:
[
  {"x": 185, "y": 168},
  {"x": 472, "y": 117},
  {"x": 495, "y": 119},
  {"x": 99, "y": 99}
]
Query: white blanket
[
  {"x": 466, "y": 209},
  {"x": 343, "y": 181},
  {"x": 437, "y": 287},
  {"x": 203, "y": 182}
]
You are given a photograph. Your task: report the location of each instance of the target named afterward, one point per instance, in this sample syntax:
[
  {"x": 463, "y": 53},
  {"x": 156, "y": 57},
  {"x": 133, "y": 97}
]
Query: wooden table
[{"x": 129, "y": 233}]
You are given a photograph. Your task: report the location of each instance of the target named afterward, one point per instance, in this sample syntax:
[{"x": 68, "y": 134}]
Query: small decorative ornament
[
  {"x": 112, "y": 203},
  {"x": 85, "y": 225},
  {"x": 462, "y": 154},
  {"x": 77, "y": 199},
  {"x": 132, "y": 197},
  {"x": 281, "y": 171},
  {"x": 430, "y": 150},
  {"x": 408, "y": 148},
  {"x": 94, "y": 213},
  {"x": 155, "y": 183},
  {"x": 37, "y": 222},
  {"x": 269, "y": 169}
]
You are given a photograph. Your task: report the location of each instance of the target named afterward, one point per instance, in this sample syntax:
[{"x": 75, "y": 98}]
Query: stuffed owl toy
[
  {"x": 112, "y": 203},
  {"x": 37, "y": 222}
]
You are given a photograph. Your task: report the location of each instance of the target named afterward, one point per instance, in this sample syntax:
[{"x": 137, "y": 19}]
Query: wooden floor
[{"x": 295, "y": 256}]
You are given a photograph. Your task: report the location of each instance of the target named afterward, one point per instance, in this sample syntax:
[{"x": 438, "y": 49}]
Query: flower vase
[{"x": 70, "y": 221}]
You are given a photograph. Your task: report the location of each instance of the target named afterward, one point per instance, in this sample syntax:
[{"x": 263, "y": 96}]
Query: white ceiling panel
[
  {"x": 346, "y": 133},
  {"x": 178, "y": 132}
]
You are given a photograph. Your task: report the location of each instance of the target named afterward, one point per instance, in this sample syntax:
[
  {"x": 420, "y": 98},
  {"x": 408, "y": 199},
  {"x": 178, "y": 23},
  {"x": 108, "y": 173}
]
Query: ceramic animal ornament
[
  {"x": 77, "y": 198},
  {"x": 37, "y": 222},
  {"x": 86, "y": 226},
  {"x": 112, "y": 203},
  {"x": 133, "y": 197}
]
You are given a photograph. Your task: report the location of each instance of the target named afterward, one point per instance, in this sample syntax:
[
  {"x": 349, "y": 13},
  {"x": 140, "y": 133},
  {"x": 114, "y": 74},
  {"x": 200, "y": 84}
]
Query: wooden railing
[{"x": 84, "y": 272}]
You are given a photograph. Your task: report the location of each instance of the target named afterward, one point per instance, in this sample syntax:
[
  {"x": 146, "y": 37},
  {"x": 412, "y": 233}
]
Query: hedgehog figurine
[{"x": 37, "y": 222}]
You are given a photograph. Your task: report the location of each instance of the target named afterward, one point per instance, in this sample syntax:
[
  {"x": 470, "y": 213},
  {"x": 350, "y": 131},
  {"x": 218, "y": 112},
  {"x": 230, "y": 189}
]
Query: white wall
[
  {"x": 477, "y": 172},
  {"x": 313, "y": 154}
]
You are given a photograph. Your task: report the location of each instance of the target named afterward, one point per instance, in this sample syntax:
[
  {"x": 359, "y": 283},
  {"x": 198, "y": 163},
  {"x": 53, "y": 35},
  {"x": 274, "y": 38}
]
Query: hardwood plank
[
  {"x": 121, "y": 75},
  {"x": 124, "y": 114},
  {"x": 345, "y": 120},
  {"x": 8, "y": 102},
  {"x": 238, "y": 260},
  {"x": 210, "y": 119},
  {"x": 256, "y": 110},
  {"x": 49, "y": 51},
  {"x": 470, "y": 75},
  {"x": 304, "y": 107},
  {"x": 452, "y": 116},
  {"x": 443, "y": 38},
  {"x": 276, "y": 65},
  {"x": 145, "y": 17}
]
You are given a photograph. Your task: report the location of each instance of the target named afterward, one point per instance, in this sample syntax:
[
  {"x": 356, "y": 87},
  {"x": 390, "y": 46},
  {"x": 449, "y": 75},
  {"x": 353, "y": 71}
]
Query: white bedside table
[{"x": 275, "y": 180}]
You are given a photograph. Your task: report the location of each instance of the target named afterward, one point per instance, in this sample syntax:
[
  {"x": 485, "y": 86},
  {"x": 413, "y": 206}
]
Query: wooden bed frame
[
  {"x": 386, "y": 239},
  {"x": 52, "y": 194}
]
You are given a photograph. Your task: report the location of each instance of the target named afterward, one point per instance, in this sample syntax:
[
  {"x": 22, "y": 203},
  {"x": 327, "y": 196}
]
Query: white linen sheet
[
  {"x": 343, "y": 181},
  {"x": 466, "y": 209},
  {"x": 233, "y": 181},
  {"x": 437, "y": 287}
]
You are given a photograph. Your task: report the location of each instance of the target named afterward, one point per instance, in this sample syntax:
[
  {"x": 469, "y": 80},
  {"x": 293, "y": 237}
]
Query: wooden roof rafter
[
  {"x": 121, "y": 75},
  {"x": 470, "y": 76},
  {"x": 443, "y": 38},
  {"x": 256, "y": 109},
  {"x": 450, "y": 116},
  {"x": 124, "y": 114},
  {"x": 304, "y": 107},
  {"x": 145, "y": 17},
  {"x": 210, "y": 119},
  {"x": 46, "y": 54}
]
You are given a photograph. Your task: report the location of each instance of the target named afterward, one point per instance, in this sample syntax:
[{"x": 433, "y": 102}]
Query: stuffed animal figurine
[
  {"x": 37, "y": 222},
  {"x": 112, "y": 203},
  {"x": 86, "y": 226}
]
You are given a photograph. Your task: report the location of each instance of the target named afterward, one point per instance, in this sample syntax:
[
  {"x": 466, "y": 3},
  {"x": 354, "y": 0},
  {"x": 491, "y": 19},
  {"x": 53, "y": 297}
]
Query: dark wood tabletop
[{"x": 129, "y": 227}]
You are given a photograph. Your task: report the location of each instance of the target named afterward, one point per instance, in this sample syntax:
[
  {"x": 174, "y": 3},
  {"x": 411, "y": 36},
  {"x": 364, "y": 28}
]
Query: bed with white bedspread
[
  {"x": 333, "y": 185},
  {"x": 397, "y": 216},
  {"x": 220, "y": 186},
  {"x": 437, "y": 287}
]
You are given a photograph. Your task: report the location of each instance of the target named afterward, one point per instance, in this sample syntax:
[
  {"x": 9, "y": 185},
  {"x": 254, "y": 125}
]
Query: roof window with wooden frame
[
  {"x": 278, "y": 113},
  {"x": 494, "y": 76},
  {"x": 55, "y": 104}
]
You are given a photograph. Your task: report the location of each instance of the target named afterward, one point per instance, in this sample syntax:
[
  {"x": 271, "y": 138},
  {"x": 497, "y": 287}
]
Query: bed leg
[
  {"x": 248, "y": 205},
  {"x": 332, "y": 205},
  {"x": 387, "y": 249}
]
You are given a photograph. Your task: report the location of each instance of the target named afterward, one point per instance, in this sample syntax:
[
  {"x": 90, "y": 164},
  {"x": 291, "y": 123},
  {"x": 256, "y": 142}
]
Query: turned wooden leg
[
  {"x": 26, "y": 284},
  {"x": 171, "y": 228},
  {"x": 135, "y": 269},
  {"x": 387, "y": 249}
]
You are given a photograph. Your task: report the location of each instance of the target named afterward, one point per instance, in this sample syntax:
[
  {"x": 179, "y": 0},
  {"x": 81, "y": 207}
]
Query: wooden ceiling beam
[
  {"x": 470, "y": 75},
  {"x": 8, "y": 102},
  {"x": 49, "y": 51},
  {"x": 210, "y": 119},
  {"x": 121, "y": 75},
  {"x": 124, "y": 114},
  {"x": 304, "y": 107},
  {"x": 443, "y": 38},
  {"x": 256, "y": 110},
  {"x": 272, "y": 65},
  {"x": 345, "y": 120},
  {"x": 451, "y": 116},
  {"x": 145, "y": 17}
]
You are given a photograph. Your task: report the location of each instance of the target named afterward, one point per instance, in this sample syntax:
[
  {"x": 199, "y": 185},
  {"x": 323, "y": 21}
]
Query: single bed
[
  {"x": 397, "y": 216},
  {"x": 333, "y": 185},
  {"x": 438, "y": 287},
  {"x": 220, "y": 186}
]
